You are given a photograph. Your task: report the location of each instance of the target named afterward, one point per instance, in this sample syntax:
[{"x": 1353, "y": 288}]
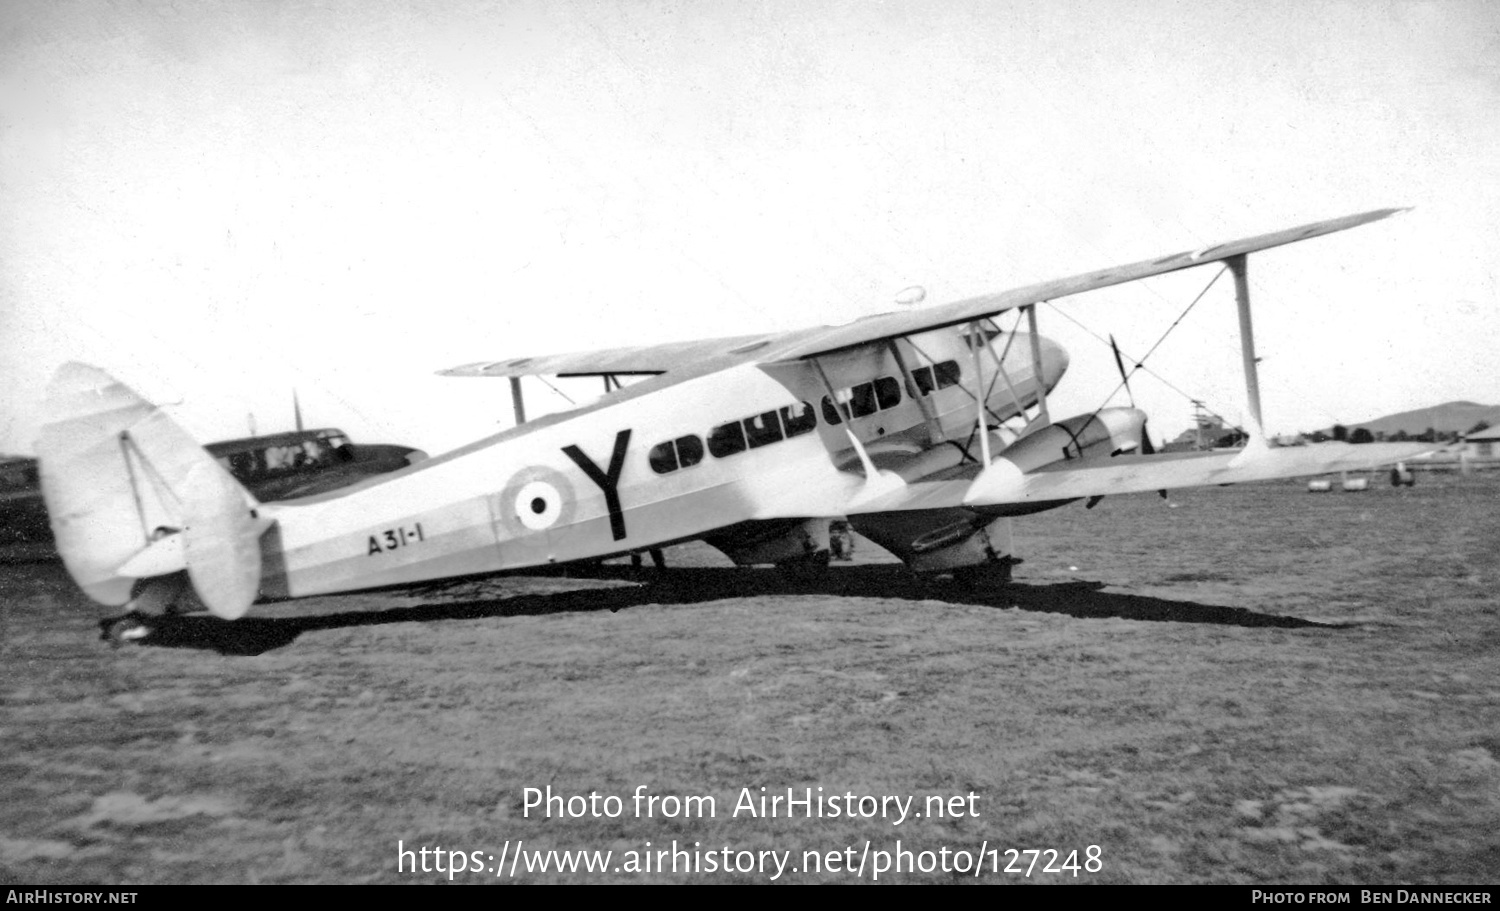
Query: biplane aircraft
[{"x": 901, "y": 422}]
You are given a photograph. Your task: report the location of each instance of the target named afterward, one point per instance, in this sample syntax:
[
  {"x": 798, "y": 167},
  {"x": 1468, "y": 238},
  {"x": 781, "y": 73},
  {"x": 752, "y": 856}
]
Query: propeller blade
[{"x": 1120, "y": 365}]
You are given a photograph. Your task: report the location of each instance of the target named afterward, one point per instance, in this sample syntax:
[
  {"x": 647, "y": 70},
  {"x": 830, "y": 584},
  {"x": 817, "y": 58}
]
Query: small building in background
[
  {"x": 1478, "y": 450},
  {"x": 1483, "y": 444}
]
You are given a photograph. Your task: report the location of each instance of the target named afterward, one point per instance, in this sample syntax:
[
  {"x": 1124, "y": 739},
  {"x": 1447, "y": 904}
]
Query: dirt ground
[{"x": 1241, "y": 685}]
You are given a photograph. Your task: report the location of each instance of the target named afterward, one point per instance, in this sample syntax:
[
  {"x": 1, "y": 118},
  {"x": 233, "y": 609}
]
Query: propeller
[{"x": 1120, "y": 365}]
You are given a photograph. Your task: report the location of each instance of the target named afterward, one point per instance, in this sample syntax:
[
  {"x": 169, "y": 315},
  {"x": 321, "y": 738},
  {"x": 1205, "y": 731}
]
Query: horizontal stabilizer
[{"x": 1142, "y": 473}]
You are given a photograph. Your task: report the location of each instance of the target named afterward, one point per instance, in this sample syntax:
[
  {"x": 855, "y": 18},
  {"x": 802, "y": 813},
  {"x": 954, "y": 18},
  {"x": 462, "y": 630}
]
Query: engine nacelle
[
  {"x": 941, "y": 540},
  {"x": 1109, "y": 432}
]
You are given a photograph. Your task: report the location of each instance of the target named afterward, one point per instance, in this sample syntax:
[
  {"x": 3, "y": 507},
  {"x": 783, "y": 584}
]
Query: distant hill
[{"x": 1448, "y": 417}]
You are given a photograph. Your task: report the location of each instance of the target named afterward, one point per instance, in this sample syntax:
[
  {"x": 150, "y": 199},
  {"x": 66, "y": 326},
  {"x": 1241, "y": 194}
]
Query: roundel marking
[
  {"x": 538, "y": 505},
  {"x": 535, "y": 499}
]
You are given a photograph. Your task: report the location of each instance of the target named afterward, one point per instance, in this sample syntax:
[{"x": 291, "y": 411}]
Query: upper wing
[
  {"x": 804, "y": 343},
  {"x": 895, "y": 325},
  {"x": 644, "y": 359}
]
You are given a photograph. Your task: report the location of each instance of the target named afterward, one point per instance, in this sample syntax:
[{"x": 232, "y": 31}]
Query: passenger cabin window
[
  {"x": 939, "y": 376},
  {"x": 689, "y": 451},
  {"x": 922, "y": 376},
  {"x": 863, "y": 400},
  {"x": 683, "y": 452},
  {"x": 736, "y": 436},
  {"x": 663, "y": 458},
  {"x": 798, "y": 419},
  {"x": 763, "y": 429},
  {"x": 831, "y": 413},
  {"x": 726, "y": 439}
]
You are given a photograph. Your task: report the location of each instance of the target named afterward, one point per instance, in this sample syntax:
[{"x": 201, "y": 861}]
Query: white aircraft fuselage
[{"x": 654, "y": 463}]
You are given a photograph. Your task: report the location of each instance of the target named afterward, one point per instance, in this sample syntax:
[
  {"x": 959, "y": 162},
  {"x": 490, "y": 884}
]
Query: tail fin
[{"x": 131, "y": 495}]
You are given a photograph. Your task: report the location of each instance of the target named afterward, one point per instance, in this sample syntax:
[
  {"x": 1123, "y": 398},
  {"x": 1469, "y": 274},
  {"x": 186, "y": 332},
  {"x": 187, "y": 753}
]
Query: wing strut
[
  {"x": 848, "y": 415},
  {"x": 877, "y": 482},
  {"x": 1036, "y": 366},
  {"x": 517, "y": 401},
  {"x": 1238, "y": 265},
  {"x": 1001, "y": 372},
  {"x": 981, "y": 420}
]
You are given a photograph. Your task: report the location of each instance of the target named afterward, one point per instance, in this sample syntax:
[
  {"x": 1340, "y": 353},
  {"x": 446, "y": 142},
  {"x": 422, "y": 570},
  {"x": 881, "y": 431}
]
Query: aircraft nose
[{"x": 1054, "y": 362}]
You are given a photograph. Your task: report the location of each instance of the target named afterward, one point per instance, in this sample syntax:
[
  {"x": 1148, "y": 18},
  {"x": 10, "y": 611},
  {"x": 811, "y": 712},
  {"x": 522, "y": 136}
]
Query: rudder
[{"x": 120, "y": 478}]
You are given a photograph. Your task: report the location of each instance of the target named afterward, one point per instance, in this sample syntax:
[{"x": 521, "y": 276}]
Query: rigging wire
[
  {"x": 555, "y": 389},
  {"x": 1140, "y": 363}
]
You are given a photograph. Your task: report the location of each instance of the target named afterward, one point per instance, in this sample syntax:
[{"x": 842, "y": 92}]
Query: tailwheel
[{"x": 132, "y": 627}]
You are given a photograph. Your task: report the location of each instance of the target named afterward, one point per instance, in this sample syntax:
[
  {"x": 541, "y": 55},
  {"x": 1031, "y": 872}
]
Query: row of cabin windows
[
  {"x": 795, "y": 420},
  {"x": 867, "y": 398},
  {"x": 733, "y": 437}
]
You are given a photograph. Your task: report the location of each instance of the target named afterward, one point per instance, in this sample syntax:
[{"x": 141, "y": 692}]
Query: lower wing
[{"x": 1004, "y": 487}]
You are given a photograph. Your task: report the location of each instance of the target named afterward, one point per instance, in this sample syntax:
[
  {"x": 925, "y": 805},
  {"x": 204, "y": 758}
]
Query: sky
[{"x": 223, "y": 203}]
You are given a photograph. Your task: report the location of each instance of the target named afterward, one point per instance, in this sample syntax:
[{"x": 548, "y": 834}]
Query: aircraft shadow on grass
[{"x": 505, "y": 597}]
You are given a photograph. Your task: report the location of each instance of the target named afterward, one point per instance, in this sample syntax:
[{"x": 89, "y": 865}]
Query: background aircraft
[{"x": 929, "y": 429}]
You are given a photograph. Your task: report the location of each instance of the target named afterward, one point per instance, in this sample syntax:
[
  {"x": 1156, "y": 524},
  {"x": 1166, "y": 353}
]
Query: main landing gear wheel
[{"x": 121, "y": 631}]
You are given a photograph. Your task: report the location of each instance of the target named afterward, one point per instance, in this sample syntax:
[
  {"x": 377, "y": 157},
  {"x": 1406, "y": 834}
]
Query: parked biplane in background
[
  {"x": 903, "y": 422},
  {"x": 301, "y": 463}
]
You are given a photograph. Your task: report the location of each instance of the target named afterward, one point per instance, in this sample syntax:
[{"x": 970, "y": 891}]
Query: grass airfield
[{"x": 1245, "y": 685}]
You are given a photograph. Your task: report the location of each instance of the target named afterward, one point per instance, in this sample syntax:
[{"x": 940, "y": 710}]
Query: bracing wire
[{"x": 1140, "y": 363}]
